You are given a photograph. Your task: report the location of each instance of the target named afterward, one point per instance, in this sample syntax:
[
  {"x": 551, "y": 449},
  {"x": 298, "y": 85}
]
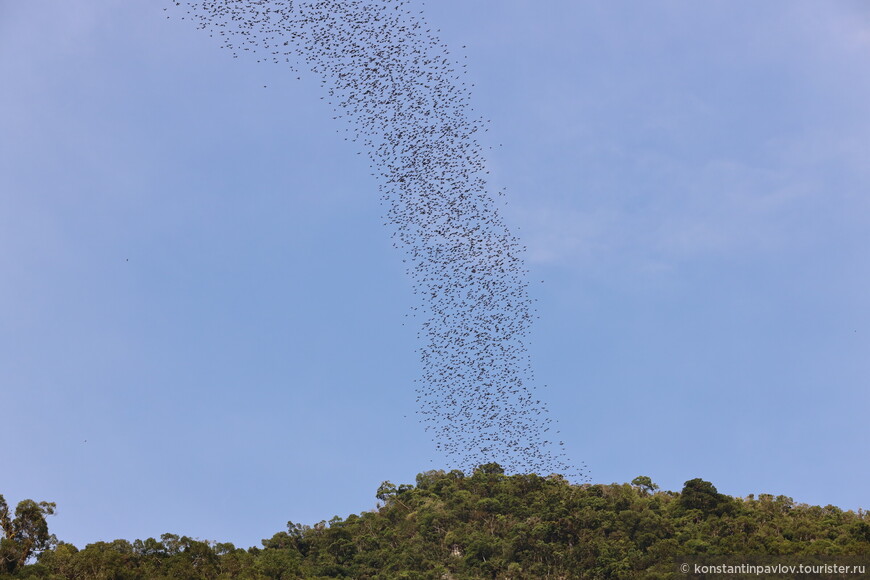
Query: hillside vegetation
[{"x": 452, "y": 525}]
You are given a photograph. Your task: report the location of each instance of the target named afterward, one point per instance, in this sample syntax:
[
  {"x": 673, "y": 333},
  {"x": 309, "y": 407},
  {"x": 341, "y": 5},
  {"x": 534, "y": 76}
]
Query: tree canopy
[
  {"x": 450, "y": 525},
  {"x": 25, "y": 534}
]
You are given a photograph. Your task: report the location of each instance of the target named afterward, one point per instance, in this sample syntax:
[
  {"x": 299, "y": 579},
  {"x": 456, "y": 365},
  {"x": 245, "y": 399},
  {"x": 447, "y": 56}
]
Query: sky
[{"x": 204, "y": 326}]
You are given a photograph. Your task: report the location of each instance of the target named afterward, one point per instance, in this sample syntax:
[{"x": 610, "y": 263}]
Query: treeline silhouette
[{"x": 456, "y": 526}]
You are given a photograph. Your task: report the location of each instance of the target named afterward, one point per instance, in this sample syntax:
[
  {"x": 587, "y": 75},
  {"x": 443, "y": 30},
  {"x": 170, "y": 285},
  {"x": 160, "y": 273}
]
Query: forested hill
[{"x": 486, "y": 525}]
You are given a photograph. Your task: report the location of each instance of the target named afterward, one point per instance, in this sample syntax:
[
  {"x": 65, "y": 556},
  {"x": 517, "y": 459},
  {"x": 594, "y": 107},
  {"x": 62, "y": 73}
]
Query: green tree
[
  {"x": 386, "y": 492},
  {"x": 702, "y": 495},
  {"x": 645, "y": 484},
  {"x": 26, "y": 534}
]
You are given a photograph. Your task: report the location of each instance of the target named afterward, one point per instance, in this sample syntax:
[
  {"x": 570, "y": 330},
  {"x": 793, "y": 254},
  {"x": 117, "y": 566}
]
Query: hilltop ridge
[{"x": 485, "y": 525}]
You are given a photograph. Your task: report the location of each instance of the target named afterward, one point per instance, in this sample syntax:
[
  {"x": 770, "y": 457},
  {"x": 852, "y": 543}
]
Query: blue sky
[{"x": 202, "y": 319}]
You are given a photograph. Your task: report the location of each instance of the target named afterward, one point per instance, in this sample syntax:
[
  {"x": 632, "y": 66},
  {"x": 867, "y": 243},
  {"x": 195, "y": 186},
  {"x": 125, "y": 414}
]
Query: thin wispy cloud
[{"x": 704, "y": 150}]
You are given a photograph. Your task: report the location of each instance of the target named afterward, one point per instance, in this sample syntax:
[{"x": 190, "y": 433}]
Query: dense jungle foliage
[{"x": 450, "y": 525}]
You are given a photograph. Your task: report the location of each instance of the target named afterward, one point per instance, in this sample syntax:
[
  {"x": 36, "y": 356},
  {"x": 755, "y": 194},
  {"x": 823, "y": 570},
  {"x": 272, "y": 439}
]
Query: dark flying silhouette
[{"x": 404, "y": 99}]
